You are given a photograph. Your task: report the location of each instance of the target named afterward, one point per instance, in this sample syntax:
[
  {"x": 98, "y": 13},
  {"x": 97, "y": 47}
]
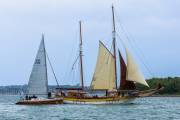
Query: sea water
[{"x": 149, "y": 108}]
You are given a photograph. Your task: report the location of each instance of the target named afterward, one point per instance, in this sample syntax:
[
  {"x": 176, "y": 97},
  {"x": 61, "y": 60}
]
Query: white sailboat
[{"x": 38, "y": 82}]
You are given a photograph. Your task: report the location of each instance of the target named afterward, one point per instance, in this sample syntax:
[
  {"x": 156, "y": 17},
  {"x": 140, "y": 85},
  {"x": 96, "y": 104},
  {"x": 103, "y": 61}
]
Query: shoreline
[{"x": 147, "y": 96}]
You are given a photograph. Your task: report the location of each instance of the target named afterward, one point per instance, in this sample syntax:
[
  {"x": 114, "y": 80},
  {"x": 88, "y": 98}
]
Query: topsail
[{"x": 38, "y": 81}]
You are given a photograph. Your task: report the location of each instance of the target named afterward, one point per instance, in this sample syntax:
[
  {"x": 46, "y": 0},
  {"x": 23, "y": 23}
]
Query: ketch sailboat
[
  {"x": 38, "y": 81},
  {"x": 105, "y": 77}
]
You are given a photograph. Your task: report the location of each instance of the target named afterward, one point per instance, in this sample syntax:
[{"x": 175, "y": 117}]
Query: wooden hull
[
  {"x": 40, "y": 101},
  {"x": 97, "y": 101}
]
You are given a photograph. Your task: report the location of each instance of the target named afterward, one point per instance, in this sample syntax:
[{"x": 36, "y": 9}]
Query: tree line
[{"x": 171, "y": 85}]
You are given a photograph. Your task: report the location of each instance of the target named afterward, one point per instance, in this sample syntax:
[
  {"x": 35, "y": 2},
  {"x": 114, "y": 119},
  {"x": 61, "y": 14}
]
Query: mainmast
[
  {"x": 114, "y": 43},
  {"x": 81, "y": 57}
]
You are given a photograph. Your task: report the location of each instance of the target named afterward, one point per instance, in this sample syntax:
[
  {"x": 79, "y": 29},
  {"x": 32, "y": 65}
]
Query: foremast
[{"x": 81, "y": 56}]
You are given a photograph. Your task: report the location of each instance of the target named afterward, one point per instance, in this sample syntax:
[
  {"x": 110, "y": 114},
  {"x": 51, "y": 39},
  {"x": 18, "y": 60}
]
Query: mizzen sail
[
  {"x": 38, "y": 81},
  {"x": 124, "y": 84},
  {"x": 133, "y": 72},
  {"x": 104, "y": 75}
]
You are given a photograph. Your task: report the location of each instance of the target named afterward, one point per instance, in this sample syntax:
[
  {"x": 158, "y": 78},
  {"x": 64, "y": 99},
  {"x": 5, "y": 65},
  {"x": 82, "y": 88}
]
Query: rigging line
[
  {"x": 143, "y": 56},
  {"x": 135, "y": 43},
  {"x": 71, "y": 70},
  {"x": 73, "y": 76},
  {"x": 147, "y": 68},
  {"x": 69, "y": 60},
  {"x": 75, "y": 62},
  {"x": 138, "y": 49},
  {"x": 131, "y": 41},
  {"x": 140, "y": 57},
  {"x": 108, "y": 41},
  {"x": 52, "y": 70},
  {"x": 66, "y": 73},
  {"x": 123, "y": 43}
]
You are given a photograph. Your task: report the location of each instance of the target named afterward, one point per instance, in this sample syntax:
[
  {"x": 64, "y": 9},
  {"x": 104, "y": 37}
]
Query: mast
[
  {"x": 114, "y": 43},
  {"x": 81, "y": 57}
]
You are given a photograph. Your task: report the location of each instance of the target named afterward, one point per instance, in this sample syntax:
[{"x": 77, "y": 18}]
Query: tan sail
[
  {"x": 124, "y": 84},
  {"x": 133, "y": 72},
  {"x": 104, "y": 75}
]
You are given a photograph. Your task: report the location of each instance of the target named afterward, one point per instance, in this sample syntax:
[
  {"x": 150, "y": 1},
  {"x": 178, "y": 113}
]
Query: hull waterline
[
  {"x": 97, "y": 101},
  {"x": 40, "y": 101}
]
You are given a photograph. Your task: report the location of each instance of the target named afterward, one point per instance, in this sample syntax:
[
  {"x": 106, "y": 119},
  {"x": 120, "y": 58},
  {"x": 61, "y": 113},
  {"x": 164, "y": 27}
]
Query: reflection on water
[{"x": 152, "y": 108}]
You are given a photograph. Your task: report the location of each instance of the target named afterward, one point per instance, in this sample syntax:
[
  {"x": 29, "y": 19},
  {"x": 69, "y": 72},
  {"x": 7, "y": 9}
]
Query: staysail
[
  {"x": 133, "y": 72},
  {"x": 124, "y": 84},
  {"x": 104, "y": 75},
  {"x": 38, "y": 81}
]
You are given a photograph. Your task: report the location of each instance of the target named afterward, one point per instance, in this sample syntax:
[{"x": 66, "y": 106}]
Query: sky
[{"x": 152, "y": 27}]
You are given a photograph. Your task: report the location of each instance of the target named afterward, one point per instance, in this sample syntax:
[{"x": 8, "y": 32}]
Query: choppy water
[{"x": 152, "y": 108}]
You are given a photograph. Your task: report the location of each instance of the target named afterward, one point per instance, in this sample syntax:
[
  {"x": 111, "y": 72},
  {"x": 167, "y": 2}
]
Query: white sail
[
  {"x": 38, "y": 81},
  {"x": 104, "y": 75},
  {"x": 133, "y": 72}
]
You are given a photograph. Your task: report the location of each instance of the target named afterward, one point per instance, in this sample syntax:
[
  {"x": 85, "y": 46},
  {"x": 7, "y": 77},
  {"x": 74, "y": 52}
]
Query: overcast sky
[{"x": 153, "y": 28}]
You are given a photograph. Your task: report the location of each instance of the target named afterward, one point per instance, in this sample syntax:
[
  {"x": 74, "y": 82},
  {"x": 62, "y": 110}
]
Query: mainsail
[
  {"x": 133, "y": 72},
  {"x": 104, "y": 75},
  {"x": 38, "y": 81},
  {"x": 124, "y": 84}
]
